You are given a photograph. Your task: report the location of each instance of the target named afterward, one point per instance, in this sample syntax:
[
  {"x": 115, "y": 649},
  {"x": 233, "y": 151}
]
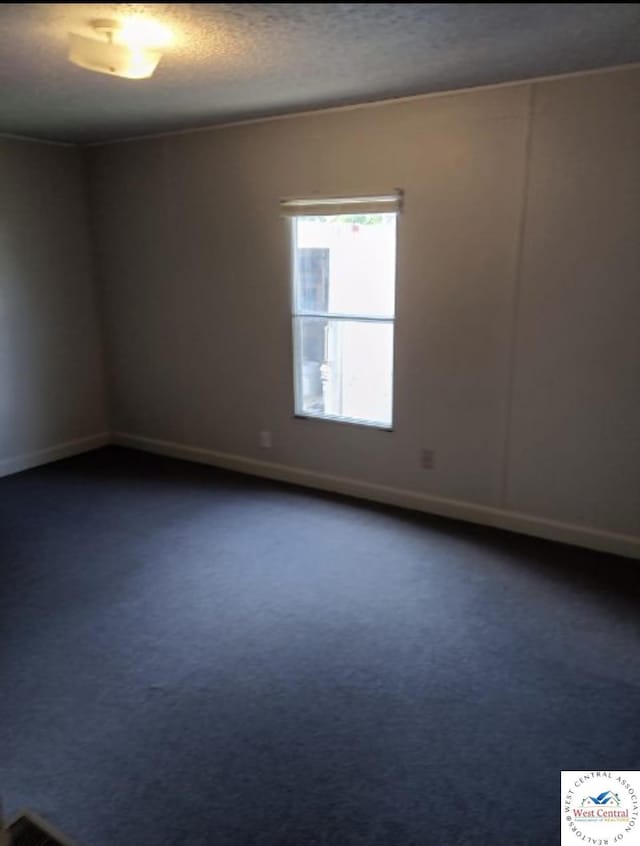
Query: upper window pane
[{"x": 345, "y": 264}]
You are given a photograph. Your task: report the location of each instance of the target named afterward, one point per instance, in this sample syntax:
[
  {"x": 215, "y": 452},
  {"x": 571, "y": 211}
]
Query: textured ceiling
[{"x": 241, "y": 60}]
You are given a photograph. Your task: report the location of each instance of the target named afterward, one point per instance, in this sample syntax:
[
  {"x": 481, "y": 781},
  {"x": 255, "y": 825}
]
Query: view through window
[{"x": 343, "y": 316}]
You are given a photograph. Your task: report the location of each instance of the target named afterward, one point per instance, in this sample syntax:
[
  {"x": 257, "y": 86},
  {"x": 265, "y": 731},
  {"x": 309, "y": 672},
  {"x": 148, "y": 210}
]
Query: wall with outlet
[
  {"x": 517, "y": 350},
  {"x": 52, "y": 398}
]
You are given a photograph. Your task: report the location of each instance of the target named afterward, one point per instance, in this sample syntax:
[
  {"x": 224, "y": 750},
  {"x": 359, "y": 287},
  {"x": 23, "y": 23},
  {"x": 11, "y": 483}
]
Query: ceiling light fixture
[{"x": 129, "y": 49}]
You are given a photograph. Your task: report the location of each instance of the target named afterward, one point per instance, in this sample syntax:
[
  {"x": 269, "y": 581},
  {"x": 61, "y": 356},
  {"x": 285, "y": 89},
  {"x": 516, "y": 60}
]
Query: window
[{"x": 344, "y": 265}]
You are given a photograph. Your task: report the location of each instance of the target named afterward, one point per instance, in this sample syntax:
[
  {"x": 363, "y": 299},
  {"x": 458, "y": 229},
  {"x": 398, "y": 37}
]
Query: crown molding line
[
  {"x": 8, "y": 136},
  {"x": 369, "y": 104}
]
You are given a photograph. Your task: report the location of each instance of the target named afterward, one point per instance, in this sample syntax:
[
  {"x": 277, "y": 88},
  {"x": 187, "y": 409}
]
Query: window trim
[
  {"x": 294, "y": 315},
  {"x": 314, "y": 206},
  {"x": 349, "y": 421}
]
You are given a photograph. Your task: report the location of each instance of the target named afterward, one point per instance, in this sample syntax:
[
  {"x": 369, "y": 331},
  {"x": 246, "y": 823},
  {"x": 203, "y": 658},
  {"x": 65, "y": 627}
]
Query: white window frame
[{"x": 304, "y": 207}]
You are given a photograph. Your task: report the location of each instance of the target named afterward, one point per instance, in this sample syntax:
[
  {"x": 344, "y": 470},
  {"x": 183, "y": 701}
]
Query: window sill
[{"x": 325, "y": 418}]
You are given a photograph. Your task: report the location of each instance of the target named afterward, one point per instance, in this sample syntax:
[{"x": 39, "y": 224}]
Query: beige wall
[
  {"x": 575, "y": 415},
  {"x": 518, "y": 296},
  {"x": 51, "y": 386}
]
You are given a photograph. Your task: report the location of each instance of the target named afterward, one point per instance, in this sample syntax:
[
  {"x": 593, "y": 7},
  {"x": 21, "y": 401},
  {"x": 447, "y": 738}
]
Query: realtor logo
[
  {"x": 600, "y": 808},
  {"x": 606, "y": 798}
]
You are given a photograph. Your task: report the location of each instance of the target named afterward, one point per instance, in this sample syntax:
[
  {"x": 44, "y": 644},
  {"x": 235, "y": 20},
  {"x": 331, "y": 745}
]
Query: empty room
[{"x": 319, "y": 424}]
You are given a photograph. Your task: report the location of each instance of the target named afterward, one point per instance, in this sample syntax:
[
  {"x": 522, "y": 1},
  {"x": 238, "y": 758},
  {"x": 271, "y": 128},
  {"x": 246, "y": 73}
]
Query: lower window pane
[{"x": 344, "y": 369}]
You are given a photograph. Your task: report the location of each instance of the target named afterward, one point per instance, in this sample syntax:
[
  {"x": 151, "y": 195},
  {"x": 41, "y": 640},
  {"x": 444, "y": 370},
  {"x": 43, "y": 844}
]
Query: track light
[{"x": 129, "y": 50}]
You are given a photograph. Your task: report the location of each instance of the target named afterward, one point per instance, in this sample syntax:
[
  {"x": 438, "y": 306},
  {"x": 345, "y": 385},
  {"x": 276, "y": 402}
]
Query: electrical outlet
[
  {"x": 266, "y": 441},
  {"x": 427, "y": 459}
]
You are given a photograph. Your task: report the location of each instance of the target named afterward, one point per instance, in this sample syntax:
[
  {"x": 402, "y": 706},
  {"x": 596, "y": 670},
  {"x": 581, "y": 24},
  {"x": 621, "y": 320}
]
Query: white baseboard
[
  {"x": 43, "y": 456},
  {"x": 527, "y": 524},
  {"x": 514, "y": 521}
]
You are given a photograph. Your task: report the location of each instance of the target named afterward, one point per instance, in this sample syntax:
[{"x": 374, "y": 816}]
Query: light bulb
[
  {"x": 142, "y": 32},
  {"x": 129, "y": 49}
]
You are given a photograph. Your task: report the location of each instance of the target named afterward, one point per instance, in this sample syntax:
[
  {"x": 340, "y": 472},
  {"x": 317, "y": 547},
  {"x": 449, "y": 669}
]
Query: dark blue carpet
[{"x": 194, "y": 657}]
